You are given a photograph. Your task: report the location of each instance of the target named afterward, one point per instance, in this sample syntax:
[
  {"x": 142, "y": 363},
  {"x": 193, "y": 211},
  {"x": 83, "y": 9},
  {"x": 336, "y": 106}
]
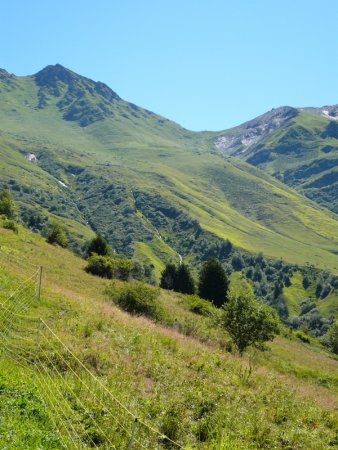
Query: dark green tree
[
  {"x": 225, "y": 250},
  {"x": 99, "y": 246},
  {"x": 184, "y": 281},
  {"x": 237, "y": 262},
  {"x": 7, "y": 205},
  {"x": 306, "y": 282},
  {"x": 57, "y": 235},
  {"x": 213, "y": 282},
  {"x": 168, "y": 276},
  {"x": 247, "y": 321}
]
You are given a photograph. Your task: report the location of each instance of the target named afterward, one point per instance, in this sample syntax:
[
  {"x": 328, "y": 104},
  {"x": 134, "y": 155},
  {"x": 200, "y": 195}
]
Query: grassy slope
[
  {"x": 302, "y": 156},
  {"x": 161, "y": 373},
  {"x": 228, "y": 198}
]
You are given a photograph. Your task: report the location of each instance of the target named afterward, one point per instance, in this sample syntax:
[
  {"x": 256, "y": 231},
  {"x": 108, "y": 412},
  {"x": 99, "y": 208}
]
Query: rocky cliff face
[
  {"x": 329, "y": 112},
  {"x": 241, "y": 138}
]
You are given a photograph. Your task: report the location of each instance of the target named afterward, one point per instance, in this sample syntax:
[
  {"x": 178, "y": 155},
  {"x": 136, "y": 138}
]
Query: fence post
[
  {"x": 133, "y": 431},
  {"x": 40, "y": 282}
]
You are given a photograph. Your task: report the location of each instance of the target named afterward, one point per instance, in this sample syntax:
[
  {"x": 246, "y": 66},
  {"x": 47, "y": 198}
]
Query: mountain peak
[
  {"x": 53, "y": 73},
  {"x": 78, "y": 98}
]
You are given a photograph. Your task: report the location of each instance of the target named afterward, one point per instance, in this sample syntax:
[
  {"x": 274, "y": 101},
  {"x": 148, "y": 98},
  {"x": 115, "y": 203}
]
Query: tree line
[{"x": 212, "y": 285}]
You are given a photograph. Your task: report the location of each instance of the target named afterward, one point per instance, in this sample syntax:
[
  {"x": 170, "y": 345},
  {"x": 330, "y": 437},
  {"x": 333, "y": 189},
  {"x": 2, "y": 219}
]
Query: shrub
[
  {"x": 136, "y": 298},
  {"x": 99, "y": 246},
  {"x": 7, "y": 206},
  {"x": 107, "y": 267},
  {"x": 57, "y": 235},
  {"x": 11, "y": 225},
  {"x": 302, "y": 336},
  {"x": 198, "y": 305}
]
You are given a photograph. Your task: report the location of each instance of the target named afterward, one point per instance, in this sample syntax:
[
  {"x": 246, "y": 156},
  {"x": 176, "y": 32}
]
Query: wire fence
[{"x": 81, "y": 406}]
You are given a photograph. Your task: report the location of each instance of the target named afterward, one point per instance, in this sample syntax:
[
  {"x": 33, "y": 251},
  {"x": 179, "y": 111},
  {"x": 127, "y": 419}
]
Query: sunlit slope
[
  {"x": 109, "y": 152},
  {"x": 180, "y": 372},
  {"x": 304, "y": 154}
]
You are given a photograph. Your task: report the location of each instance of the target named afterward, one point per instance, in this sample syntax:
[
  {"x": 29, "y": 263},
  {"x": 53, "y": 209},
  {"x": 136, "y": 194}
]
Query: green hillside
[
  {"x": 303, "y": 153},
  {"x": 91, "y": 368},
  {"x": 151, "y": 187}
]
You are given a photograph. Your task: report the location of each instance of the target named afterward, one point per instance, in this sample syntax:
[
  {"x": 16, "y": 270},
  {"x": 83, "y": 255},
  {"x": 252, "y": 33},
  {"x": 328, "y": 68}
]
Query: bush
[
  {"x": 136, "y": 298},
  {"x": 57, "y": 235},
  {"x": 11, "y": 225},
  {"x": 302, "y": 336},
  {"x": 100, "y": 265},
  {"x": 7, "y": 206},
  {"x": 198, "y": 305},
  {"x": 99, "y": 246},
  {"x": 107, "y": 267}
]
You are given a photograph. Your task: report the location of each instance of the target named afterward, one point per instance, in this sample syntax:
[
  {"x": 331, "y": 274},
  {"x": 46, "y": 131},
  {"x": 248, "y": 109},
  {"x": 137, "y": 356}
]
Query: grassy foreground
[{"x": 176, "y": 375}]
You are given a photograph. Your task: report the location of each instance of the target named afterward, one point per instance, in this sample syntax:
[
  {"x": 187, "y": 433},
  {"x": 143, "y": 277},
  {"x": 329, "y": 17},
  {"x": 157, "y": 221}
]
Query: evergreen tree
[
  {"x": 213, "y": 282},
  {"x": 99, "y": 246},
  {"x": 183, "y": 281},
  {"x": 168, "y": 276}
]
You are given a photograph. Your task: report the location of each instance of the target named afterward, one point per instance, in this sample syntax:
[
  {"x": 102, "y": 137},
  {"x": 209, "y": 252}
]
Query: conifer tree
[
  {"x": 213, "y": 282},
  {"x": 184, "y": 281},
  {"x": 168, "y": 276}
]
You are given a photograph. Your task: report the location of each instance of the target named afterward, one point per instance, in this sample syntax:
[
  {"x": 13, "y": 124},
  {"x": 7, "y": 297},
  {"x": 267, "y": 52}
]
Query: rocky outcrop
[
  {"x": 329, "y": 112},
  {"x": 241, "y": 138}
]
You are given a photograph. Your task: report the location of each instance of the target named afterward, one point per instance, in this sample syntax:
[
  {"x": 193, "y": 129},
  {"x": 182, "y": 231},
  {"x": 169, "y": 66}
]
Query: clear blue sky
[{"x": 208, "y": 64}]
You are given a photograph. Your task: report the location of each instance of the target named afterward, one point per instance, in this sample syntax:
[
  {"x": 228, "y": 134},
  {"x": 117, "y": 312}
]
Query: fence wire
[{"x": 81, "y": 406}]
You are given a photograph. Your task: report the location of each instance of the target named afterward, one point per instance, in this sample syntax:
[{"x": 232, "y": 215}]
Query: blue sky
[{"x": 205, "y": 64}]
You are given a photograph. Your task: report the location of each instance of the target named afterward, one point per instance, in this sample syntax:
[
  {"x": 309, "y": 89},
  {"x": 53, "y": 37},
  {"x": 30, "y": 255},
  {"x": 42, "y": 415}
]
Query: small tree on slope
[{"x": 247, "y": 321}]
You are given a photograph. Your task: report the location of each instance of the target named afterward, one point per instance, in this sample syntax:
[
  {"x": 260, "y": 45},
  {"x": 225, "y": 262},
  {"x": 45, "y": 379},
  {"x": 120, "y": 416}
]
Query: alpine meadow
[{"x": 162, "y": 288}]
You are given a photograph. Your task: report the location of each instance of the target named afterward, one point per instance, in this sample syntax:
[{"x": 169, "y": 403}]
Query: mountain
[
  {"x": 297, "y": 146},
  {"x": 240, "y": 139},
  {"x": 72, "y": 148}
]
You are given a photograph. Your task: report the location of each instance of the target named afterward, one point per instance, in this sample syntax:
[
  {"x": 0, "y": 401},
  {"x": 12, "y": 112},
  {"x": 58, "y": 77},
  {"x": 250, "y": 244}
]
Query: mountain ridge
[{"x": 129, "y": 149}]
